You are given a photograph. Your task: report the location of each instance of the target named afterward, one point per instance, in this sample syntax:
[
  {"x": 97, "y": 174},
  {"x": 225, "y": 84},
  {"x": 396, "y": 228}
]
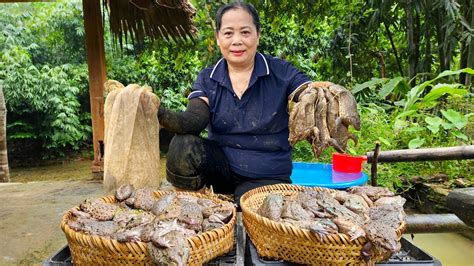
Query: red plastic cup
[{"x": 346, "y": 163}]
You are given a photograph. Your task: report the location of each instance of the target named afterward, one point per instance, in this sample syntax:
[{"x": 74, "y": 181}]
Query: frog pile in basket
[
  {"x": 371, "y": 212},
  {"x": 164, "y": 224}
]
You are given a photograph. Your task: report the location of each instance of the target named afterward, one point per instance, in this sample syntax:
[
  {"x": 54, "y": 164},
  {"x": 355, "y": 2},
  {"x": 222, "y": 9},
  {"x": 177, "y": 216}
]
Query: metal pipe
[
  {"x": 435, "y": 223},
  {"x": 428, "y": 154}
]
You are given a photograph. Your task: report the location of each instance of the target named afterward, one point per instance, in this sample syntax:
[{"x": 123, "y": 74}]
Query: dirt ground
[{"x": 30, "y": 216}]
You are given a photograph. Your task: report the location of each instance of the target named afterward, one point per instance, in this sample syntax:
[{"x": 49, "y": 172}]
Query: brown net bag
[
  {"x": 131, "y": 140},
  {"x": 96, "y": 250},
  {"x": 286, "y": 242}
]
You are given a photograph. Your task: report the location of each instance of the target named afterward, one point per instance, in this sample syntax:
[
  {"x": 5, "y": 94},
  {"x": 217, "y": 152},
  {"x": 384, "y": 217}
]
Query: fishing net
[{"x": 131, "y": 138}]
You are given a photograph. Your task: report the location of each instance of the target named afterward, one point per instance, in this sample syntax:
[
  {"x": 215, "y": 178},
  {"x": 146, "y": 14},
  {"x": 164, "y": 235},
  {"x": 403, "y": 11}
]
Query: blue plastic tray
[{"x": 322, "y": 175}]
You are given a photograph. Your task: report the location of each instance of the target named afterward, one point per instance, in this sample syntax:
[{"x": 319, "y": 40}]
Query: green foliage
[
  {"x": 381, "y": 90},
  {"x": 41, "y": 92},
  {"x": 428, "y": 119}
]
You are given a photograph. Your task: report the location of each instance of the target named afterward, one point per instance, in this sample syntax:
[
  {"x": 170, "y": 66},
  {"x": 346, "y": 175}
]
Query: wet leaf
[
  {"x": 388, "y": 88},
  {"x": 460, "y": 135},
  {"x": 446, "y": 125},
  {"x": 455, "y": 117},
  {"x": 399, "y": 124},
  {"x": 360, "y": 87},
  {"x": 416, "y": 143},
  {"x": 433, "y": 123},
  {"x": 384, "y": 141}
]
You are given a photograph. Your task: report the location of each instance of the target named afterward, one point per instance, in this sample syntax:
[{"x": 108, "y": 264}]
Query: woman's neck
[{"x": 241, "y": 69}]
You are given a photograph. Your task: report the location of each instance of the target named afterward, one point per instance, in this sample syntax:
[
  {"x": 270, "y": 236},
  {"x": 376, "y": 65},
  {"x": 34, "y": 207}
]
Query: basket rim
[
  {"x": 286, "y": 228},
  {"x": 193, "y": 241}
]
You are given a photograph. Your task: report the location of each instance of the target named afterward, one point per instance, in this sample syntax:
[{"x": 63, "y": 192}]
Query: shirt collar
[{"x": 219, "y": 72}]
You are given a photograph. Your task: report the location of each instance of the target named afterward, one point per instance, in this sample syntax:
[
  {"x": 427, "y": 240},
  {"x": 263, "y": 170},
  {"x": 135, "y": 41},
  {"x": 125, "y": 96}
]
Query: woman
[{"x": 243, "y": 99}]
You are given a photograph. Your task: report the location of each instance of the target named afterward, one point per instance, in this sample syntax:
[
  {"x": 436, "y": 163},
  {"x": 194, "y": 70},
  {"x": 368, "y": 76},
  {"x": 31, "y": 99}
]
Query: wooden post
[
  {"x": 426, "y": 154},
  {"x": 373, "y": 168},
  {"x": 97, "y": 69},
  {"x": 4, "y": 170},
  {"x": 470, "y": 57}
]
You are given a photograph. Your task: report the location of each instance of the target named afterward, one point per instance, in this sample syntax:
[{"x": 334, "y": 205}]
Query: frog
[
  {"x": 161, "y": 205},
  {"x": 93, "y": 226},
  {"x": 191, "y": 215},
  {"x": 209, "y": 224},
  {"x": 123, "y": 216},
  {"x": 395, "y": 200},
  {"x": 356, "y": 204},
  {"x": 130, "y": 201},
  {"x": 174, "y": 253},
  {"x": 128, "y": 219},
  {"x": 80, "y": 214},
  {"x": 323, "y": 226},
  {"x": 186, "y": 197},
  {"x": 144, "y": 199},
  {"x": 163, "y": 227},
  {"x": 131, "y": 235},
  {"x": 310, "y": 204},
  {"x": 169, "y": 245},
  {"x": 391, "y": 215},
  {"x": 123, "y": 205},
  {"x": 349, "y": 227},
  {"x": 384, "y": 242},
  {"x": 168, "y": 212},
  {"x": 147, "y": 230},
  {"x": 366, "y": 198},
  {"x": 206, "y": 203},
  {"x": 293, "y": 210},
  {"x": 224, "y": 215},
  {"x": 298, "y": 223},
  {"x": 340, "y": 195},
  {"x": 333, "y": 207},
  {"x": 124, "y": 192},
  {"x": 142, "y": 232},
  {"x": 98, "y": 209},
  {"x": 301, "y": 197},
  {"x": 271, "y": 207},
  {"x": 374, "y": 193},
  {"x": 221, "y": 212}
]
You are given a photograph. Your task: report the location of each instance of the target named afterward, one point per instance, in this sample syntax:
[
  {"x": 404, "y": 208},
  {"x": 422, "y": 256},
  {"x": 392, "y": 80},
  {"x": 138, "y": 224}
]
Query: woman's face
[{"x": 238, "y": 38}]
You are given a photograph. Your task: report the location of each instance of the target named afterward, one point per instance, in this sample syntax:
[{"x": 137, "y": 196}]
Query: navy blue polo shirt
[{"x": 252, "y": 131}]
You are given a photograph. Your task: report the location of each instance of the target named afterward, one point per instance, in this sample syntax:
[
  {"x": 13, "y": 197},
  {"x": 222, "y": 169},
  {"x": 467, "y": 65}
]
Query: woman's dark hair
[{"x": 236, "y": 5}]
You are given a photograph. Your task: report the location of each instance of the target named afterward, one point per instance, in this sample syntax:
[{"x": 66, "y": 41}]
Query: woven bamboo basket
[
  {"x": 95, "y": 250},
  {"x": 281, "y": 241}
]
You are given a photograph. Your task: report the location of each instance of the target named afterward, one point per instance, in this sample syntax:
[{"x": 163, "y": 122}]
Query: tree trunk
[
  {"x": 470, "y": 57},
  {"x": 440, "y": 35},
  {"x": 416, "y": 40},
  {"x": 4, "y": 171},
  {"x": 427, "y": 29},
  {"x": 411, "y": 41},
  {"x": 465, "y": 44},
  {"x": 395, "y": 52}
]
